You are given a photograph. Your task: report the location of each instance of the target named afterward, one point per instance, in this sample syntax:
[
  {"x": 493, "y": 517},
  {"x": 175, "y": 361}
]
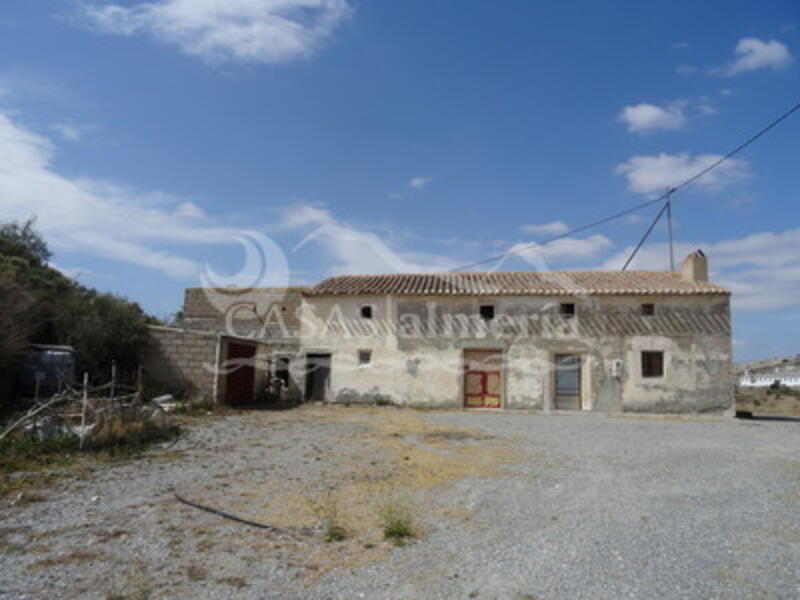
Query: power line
[
  {"x": 665, "y": 196},
  {"x": 645, "y": 236}
]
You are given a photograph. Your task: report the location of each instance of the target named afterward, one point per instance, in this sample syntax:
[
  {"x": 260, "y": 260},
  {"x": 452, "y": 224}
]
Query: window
[
  {"x": 364, "y": 357},
  {"x": 648, "y": 310},
  {"x": 568, "y": 310},
  {"x": 366, "y": 312},
  {"x": 652, "y": 364},
  {"x": 487, "y": 312}
]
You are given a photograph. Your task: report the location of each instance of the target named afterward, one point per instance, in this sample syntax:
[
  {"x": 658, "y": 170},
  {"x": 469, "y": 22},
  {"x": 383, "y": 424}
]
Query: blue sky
[{"x": 157, "y": 142}]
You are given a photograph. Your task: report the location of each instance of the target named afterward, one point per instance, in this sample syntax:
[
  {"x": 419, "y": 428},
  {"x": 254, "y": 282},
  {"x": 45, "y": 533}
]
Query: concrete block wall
[
  {"x": 261, "y": 313},
  {"x": 181, "y": 362}
]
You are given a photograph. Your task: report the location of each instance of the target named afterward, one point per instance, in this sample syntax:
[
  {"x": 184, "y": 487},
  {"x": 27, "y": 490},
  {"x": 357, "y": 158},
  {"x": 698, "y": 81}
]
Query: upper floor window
[
  {"x": 567, "y": 309},
  {"x": 648, "y": 309},
  {"x": 652, "y": 364},
  {"x": 487, "y": 312},
  {"x": 366, "y": 312}
]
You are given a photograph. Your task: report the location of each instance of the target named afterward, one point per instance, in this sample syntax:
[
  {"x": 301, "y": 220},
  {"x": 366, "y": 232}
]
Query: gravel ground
[{"x": 507, "y": 505}]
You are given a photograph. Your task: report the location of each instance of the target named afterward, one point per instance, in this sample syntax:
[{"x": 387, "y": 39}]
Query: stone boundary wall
[{"x": 178, "y": 362}]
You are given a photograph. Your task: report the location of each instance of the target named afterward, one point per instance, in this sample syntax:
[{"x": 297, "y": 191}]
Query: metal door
[
  {"x": 568, "y": 381},
  {"x": 241, "y": 379},
  {"x": 483, "y": 378}
]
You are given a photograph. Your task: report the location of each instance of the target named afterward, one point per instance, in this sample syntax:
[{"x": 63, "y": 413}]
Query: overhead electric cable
[
  {"x": 645, "y": 236},
  {"x": 665, "y": 196}
]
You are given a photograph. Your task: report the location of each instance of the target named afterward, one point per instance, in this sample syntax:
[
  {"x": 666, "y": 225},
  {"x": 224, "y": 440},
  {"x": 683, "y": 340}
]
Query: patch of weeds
[
  {"x": 24, "y": 451},
  {"x": 196, "y": 573},
  {"x": 196, "y": 408},
  {"x": 456, "y": 436},
  {"x": 73, "y": 558},
  {"x": 396, "y": 520},
  {"x": 327, "y": 510},
  {"x": 135, "y": 586},
  {"x": 236, "y": 582},
  {"x": 27, "y": 497},
  {"x": 120, "y": 439},
  {"x": 18, "y": 486},
  {"x": 10, "y": 547}
]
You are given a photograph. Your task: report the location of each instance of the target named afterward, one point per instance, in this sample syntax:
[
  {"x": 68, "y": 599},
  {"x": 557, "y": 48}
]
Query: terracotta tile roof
[{"x": 520, "y": 283}]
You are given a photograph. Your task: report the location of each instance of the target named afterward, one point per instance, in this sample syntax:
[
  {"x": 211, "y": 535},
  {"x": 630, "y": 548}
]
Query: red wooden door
[{"x": 241, "y": 378}]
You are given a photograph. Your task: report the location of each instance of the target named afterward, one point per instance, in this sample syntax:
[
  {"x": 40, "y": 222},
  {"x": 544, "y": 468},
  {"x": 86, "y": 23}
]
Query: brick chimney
[{"x": 695, "y": 267}]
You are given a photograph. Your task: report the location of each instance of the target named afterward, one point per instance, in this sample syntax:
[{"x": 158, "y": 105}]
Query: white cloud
[
  {"x": 352, "y": 250},
  {"x": 753, "y": 54},
  {"x": 562, "y": 250},
  {"x": 189, "y": 210},
  {"x": 227, "y": 31},
  {"x": 645, "y": 118},
  {"x": 94, "y": 216},
  {"x": 419, "y": 183},
  {"x": 762, "y": 269},
  {"x": 554, "y": 228},
  {"x": 652, "y": 175},
  {"x": 69, "y": 131},
  {"x": 681, "y": 46}
]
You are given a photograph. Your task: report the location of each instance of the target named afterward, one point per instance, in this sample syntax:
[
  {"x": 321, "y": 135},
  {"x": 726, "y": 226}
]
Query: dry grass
[
  {"x": 762, "y": 401},
  {"x": 74, "y": 557},
  {"x": 398, "y": 450}
]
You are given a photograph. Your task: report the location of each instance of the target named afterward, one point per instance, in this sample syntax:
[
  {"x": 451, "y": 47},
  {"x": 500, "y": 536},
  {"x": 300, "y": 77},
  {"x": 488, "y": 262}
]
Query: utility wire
[
  {"x": 645, "y": 236},
  {"x": 665, "y": 196}
]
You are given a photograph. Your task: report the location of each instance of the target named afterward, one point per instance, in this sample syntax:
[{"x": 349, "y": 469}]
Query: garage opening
[
  {"x": 240, "y": 373},
  {"x": 483, "y": 378},
  {"x": 318, "y": 374},
  {"x": 568, "y": 381}
]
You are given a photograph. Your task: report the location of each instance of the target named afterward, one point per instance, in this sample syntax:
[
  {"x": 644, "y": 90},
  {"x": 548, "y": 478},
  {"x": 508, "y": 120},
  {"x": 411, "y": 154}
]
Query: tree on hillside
[{"x": 39, "y": 304}]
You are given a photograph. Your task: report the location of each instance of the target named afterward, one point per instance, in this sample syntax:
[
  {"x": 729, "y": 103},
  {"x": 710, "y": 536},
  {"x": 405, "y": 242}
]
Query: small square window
[
  {"x": 648, "y": 310},
  {"x": 567, "y": 310},
  {"x": 364, "y": 357},
  {"x": 487, "y": 312},
  {"x": 366, "y": 312},
  {"x": 652, "y": 364}
]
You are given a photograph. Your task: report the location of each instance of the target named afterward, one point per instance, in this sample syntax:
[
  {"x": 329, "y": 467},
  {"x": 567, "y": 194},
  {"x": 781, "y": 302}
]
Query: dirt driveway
[{"x": 503, "y": 505}]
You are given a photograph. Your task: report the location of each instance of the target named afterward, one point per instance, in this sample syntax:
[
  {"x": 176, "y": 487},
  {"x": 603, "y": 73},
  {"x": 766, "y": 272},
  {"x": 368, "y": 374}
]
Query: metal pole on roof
[
  {"x": 669, "y": 229},
  {"x": 644, "y": 237}
]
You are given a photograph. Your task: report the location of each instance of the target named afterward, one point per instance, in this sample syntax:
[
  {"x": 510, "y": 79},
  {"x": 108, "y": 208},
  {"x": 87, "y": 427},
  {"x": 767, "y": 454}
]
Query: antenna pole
[{"x": 669, "y": 229}]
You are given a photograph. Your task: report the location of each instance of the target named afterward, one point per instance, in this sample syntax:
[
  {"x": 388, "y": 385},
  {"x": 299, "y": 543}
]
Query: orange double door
[{"x": 483, "y": 378}]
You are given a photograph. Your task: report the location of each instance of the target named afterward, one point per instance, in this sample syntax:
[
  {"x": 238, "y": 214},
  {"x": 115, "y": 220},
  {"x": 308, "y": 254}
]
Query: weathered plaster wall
[{"x": 417, "y": 349}]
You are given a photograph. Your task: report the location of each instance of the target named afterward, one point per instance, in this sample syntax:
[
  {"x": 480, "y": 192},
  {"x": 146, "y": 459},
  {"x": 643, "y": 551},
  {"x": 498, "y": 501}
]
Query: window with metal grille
[
  {"x": 648, "y": 310},
  {"x": 567, "y": 309},
  {"x": 366, "y": 312},
  {"x": 652, "y": 364},
  {"x": 487, "y": 312}
]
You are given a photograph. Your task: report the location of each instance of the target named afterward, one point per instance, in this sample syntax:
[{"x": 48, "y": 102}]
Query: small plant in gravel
[
  {"x": 327, "y": 510},
  {"x": 396, "y": 520},
  {"x": 196, "y": 573}
]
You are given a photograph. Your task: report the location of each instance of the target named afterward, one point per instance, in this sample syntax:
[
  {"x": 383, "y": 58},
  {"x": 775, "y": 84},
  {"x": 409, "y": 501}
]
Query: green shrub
[
  {"x": 327, "y": 510},
  {"x": 396, "y": 520}
]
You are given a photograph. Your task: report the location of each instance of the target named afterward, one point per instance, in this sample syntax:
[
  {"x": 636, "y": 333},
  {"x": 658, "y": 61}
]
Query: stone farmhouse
[{"x": 612, "y": 341}]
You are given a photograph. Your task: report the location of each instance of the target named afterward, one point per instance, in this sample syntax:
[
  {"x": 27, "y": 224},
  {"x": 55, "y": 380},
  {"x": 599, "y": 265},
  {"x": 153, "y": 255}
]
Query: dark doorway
[
  {"x": 240, "y": 378},
  {"x": 568, "y": 381},
  {"x": 318, "y": 374},
  {"x": 282, "y": 372}
]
